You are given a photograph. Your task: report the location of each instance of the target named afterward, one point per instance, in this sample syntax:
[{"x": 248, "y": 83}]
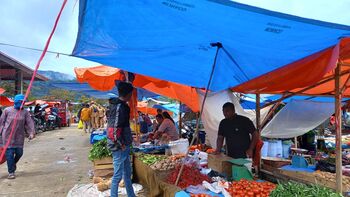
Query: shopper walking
[
  {"x": 86, "y": 117},
  {"x": 24, "y": 125}
]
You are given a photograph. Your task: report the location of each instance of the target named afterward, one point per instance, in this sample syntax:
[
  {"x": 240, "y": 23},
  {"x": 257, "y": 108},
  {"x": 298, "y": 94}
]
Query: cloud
[{"x": 29, "y": 23}]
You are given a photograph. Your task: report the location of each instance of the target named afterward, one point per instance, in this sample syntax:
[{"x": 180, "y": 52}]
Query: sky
[{"x": 29, "y": 22}]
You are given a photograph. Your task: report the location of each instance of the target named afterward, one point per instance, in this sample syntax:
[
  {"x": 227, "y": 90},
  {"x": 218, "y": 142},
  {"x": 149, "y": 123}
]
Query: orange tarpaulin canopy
[
  {"x": 142, "y": 107},
  {"x": 313, "y": 75},
  {"x": 103, "y": 77},
  {"x": 6, "y": 102}
]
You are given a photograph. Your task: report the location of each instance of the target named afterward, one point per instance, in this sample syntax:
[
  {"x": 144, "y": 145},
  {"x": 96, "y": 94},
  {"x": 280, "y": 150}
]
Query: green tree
[{"x": 61, "y": 94}]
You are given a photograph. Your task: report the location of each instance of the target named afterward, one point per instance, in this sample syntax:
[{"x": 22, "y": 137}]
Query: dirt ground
[{"x": 44, "y": 171}]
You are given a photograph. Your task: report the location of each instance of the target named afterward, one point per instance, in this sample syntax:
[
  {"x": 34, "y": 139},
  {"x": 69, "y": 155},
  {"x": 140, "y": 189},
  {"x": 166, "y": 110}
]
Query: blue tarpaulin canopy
[
  {"x": 173, "y": 108},
  {"x": 170, "y": 40},
  {"x": 86, "y": 89}
]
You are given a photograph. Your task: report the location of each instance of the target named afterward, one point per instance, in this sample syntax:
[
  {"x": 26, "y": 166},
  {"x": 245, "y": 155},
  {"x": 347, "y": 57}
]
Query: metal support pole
[
  {"x": 180, "y": 120},
  {"x": 219, "y": 46},
  {"x": 17, "y": 82},
  {"x": 338, "y": 128},
  {"x": 258, "y": 125},
  {"x": 258, "y": 108},
  {"x": 21, "y": 80}
]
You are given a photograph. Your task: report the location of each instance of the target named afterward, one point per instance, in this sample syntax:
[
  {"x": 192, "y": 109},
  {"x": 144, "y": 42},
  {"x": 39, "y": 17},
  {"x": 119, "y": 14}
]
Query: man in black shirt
[{"x": 239, "y": 132}]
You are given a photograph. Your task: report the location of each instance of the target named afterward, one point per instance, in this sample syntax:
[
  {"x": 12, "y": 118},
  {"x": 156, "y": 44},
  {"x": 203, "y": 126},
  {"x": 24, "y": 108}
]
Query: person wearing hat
[
  {"x": 24, "y": 125},
  {"x": 119, "y": 138}
]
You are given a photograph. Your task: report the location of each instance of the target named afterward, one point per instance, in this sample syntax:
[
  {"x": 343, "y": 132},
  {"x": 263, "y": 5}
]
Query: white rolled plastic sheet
[{"x": 297, "y": 118}]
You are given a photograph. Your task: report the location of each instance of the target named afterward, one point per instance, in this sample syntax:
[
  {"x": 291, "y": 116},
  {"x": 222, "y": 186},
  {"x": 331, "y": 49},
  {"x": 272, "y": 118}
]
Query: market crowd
[{"x": 92, "y": 116}]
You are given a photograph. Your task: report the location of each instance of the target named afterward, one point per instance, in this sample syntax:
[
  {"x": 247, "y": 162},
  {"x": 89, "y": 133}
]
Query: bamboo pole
[
  {"x": 180, "y": 120},
  {"x": 258, "y": 109},
  {"x": 258, "y": 126},
  {"x": 271, "y": 112},
  {"x": 338, "y": 126},
  {"x": 219, "y": 46}
]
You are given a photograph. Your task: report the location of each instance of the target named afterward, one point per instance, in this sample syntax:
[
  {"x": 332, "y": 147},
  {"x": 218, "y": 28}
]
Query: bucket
[
  {"x": 279, "y": 149},
  {"x": 272, "y": 149},
  {"x": 265, "y": 149},
  {"x": 286, "y": 150}
]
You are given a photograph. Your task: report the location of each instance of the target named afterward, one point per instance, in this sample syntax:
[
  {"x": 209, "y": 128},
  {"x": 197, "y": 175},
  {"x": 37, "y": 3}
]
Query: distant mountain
[{"x": 56, "y": 76}]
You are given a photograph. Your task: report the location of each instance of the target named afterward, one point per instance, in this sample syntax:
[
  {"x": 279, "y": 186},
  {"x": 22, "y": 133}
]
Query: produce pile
[
  {"x": 202, "y": 147},
  {"x": 301, "y": 190},
  {"x": 190, "y": 176},
  {"x": 330, "y": 177},
  {"x": 168, "y": 163},
  {"x": 244, "y": 188},
  {"x": 151, "y": 159},
  {"x": 99, "y": 150},
  {"x": 105, "y": 184}
]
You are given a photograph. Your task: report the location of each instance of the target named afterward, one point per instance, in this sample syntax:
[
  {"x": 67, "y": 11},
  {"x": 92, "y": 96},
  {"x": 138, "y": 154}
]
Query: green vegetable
[
  {"x": 292, "y": 189},
  {"x": 151, "y": 159},
  {"x": 99, "y": 150}
]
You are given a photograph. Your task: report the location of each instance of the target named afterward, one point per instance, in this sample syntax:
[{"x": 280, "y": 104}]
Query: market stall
[
  {"x": 153, "y": 179},
  {"x": 215, "y": 62}
]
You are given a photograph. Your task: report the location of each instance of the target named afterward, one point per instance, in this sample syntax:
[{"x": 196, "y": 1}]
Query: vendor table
[
  {"x": 301, "y": 175},
  {"x": 154, "y": 180}
]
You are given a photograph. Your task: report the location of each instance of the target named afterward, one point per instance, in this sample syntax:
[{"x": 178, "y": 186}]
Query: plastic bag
[
  {"x": 80, "y": 124},
  {"x": 179, "y": 146}
]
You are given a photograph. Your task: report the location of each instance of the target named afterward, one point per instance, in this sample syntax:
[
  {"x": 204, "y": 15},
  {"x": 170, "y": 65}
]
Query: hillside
[
  {"x": 56, "y": 76},
  {"x": 40, "y": 88}
]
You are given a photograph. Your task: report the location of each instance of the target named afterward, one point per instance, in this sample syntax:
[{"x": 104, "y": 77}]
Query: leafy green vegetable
[
  {"x": 292, "y": 189},
  {"x": 151, "y": 159},
  {"x": 99, "y": 150}
]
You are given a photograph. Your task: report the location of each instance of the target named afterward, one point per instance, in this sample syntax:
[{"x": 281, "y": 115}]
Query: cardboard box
[
  {"x": 104, "y": 173},
  {"x": 103, "y": 161},
  {"x": 220, "y": 163}
]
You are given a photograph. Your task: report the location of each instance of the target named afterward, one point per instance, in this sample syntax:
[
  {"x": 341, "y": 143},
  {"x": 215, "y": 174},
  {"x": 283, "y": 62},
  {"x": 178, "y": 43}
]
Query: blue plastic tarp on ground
[
  {"x": 291, "y": 168},
  {"x": 170, "y": 40}
]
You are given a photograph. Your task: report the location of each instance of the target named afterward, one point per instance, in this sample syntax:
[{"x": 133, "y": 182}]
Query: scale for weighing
[{"x": 299, "y": 158}]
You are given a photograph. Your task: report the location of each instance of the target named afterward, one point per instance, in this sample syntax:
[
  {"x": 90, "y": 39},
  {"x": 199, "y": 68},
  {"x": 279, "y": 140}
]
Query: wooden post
[
  {"x": 18, "y": 82},
  {"x": 197, "y": 129},
  {"x": 257, "y": 105},
  {"x": 258, "y": 126},
  {"x": 180, "y": 120},
  {"x": 338, "y": 128}
]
